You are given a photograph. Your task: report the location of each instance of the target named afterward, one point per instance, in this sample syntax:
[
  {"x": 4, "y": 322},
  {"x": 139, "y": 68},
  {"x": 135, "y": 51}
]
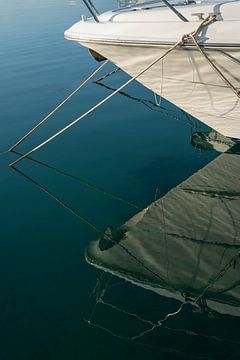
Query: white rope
[
  {"x": 98, "y": 104},
  {"x": 193, "y": 36},
  {"x": 158, "y": 101},
  {"x": 185, "y": 39},
  {"x": 58, "y": 107},
  {"x": 216, "y": 69}
]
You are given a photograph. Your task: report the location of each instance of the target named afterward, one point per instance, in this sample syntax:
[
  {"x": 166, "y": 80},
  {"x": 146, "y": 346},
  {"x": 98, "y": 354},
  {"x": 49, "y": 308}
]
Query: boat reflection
[
  {"x": 211, "y": 140},
  {"x": 184, "y": 247},
  {"x": 183, "y": 252},
  {"x": 200, "y": 138},
  {"x": 173, "y": 112}
]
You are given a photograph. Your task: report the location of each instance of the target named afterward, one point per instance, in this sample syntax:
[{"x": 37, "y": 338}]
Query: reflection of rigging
[
  {"x": 167, "y": 233},
  {"x": 202, "y": 140},
  {"x": 99, "y": 294},
  {"x": 191, "y": 239},
  {"x": 80, "y": 180},
  {"x": 108, "y": 236},
  {"x": 177, "y": 114},
  {"x": 210, "y": 140}
]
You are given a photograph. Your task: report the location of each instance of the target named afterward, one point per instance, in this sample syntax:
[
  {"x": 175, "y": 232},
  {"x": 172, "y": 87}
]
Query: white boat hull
[
  {"x": 133, "y": 38},
  {"x": 186, "y": 79}
]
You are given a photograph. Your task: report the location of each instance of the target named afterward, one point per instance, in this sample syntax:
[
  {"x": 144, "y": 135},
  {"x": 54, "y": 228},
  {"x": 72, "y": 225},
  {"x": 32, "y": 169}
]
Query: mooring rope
[
  {"x": 59, "y": 106},
  {"x": 215, "y": 68},
  {"x": 99, "y": 104},
  {"x": 185, "y": 39}
]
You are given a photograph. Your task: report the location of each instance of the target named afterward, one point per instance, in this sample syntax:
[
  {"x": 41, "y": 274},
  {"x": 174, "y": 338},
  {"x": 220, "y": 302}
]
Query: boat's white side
[
  {"x": 133, "y": 39},
  {"x": 159, "y": 25}
]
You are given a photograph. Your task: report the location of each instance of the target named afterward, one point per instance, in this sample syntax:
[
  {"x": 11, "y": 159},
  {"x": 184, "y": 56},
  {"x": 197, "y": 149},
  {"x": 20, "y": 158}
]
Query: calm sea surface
[{"x": 129, "y": 150}]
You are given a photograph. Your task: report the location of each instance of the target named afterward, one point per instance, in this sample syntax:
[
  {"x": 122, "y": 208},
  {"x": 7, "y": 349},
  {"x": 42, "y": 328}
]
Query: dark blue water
[{"x": 129, "y": 147}]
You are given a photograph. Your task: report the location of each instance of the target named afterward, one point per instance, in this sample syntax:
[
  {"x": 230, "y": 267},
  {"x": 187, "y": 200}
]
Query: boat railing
[
  {"x": 92, "y": 9},
  {"x": 95, "y": 14}
]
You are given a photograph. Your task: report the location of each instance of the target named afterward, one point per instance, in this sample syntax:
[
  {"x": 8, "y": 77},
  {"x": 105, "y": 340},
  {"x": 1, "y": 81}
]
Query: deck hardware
[
  {"x": 171, "y": 7},
  {"x": 199, "y": 15},
  {"x": 217, "y": 15},
  {"x": 92, "y": 9}
]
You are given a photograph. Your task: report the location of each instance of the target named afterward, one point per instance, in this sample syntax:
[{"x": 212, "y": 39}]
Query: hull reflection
[{"x": 187, "y": 244}]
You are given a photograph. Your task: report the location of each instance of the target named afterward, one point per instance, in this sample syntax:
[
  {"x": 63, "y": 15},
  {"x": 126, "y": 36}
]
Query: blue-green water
[{"x": 129, "y": 148}]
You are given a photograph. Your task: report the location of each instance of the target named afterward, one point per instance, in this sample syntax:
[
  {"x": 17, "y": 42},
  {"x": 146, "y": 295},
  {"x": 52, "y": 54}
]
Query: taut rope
[
  {"x": 184, "y": 40},
  {"x": 193, "y": 36},
  {"x": 59, "y": 106},
  {"x": 97, "y": 105}
]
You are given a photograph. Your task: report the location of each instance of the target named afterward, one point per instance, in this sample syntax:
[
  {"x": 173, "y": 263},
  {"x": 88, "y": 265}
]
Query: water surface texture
[{"x": 53, "y": 303}]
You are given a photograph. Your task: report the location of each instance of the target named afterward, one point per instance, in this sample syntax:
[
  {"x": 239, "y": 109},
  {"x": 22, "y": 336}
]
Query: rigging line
[
  {"x": 59, "y": 201},
  {"x": 160, "y": 322},
  {"x": 98, "y": 292},
  {"x": 185, "y": 331},
  {"x": 58, "y": 107},
  {"x": 89, "y": 321},
  {"x": 219, "y": 194},
  {"x": 153, "y": 327},
  {"x": 215, "y": 68},
  {"x": 231, "y": 216},
  {"x": 185, "y": 39},
  {"x": 101, "y": 301},
  {"x": 165, "y": 241},
  {"x": 221, "y": 273},
  {"x": 4, "y": 152},
  {"x": 107, "y": 286},
  {"x": 159, "y": 101},
  {"x": 121, "y": 337},
  {"x": 114, "y": 71},
  {"x": 84, "y": 220},
  {"x": 204, "y": 241},
  {"x": 83, "y": 182},
  {"x": 152, "y": 106},
  {"x": 148, "y": 103},
  {"x": 179, "y": 43},
  {"x": 129, "y": 339},
  {"x": 174, "y": 313},
  {"x": 97, "y": 285},
  {"x": 157, "y": 192}
]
